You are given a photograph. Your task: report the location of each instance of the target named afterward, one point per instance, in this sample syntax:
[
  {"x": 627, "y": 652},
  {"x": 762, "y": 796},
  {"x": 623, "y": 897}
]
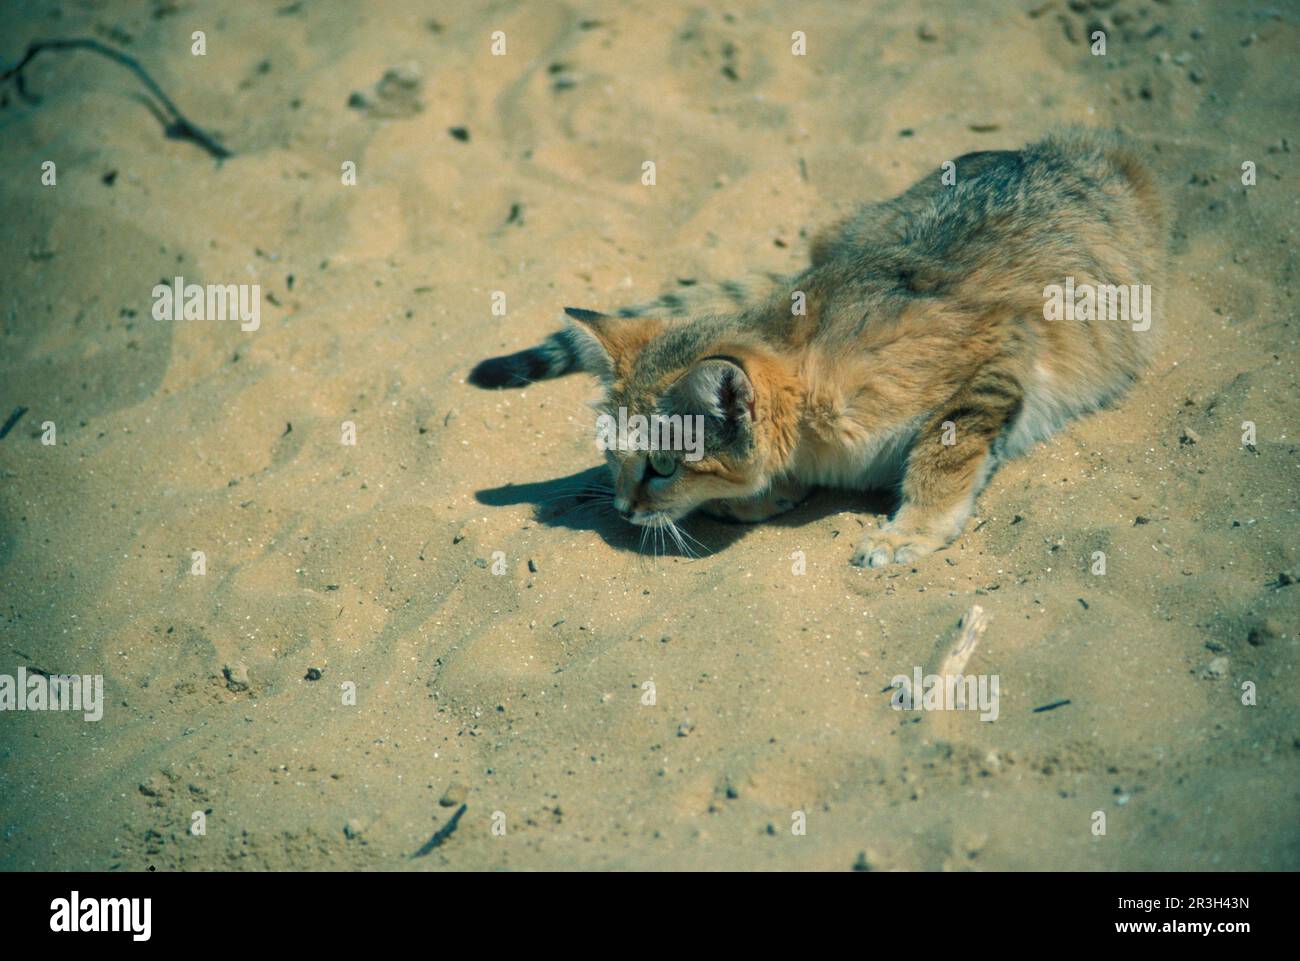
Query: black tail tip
[{"x": 498, "y": 372}]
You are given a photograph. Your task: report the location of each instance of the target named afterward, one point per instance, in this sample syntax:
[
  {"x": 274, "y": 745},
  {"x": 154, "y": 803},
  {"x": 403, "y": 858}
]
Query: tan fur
[{"x": 924, "y": 323}]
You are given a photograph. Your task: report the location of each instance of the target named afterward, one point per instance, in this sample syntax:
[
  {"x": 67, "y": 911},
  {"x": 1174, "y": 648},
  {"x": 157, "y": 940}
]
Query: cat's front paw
[{"x": 892, "y": 546}]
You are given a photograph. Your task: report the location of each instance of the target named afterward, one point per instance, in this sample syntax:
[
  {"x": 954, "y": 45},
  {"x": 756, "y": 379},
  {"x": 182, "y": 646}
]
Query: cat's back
[
  {"x": 1077, "y": 202},
  {"x": 950, "y": 276},
  {"x": 1079, "y": 206}
]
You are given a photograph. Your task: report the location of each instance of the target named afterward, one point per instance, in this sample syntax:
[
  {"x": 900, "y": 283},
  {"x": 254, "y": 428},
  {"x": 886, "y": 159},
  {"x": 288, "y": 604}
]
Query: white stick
[{"x": 973, "y": 626}]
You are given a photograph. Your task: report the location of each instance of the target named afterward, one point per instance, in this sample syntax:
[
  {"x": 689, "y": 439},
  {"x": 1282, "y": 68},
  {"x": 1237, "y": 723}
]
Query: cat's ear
[
  {"x": 608, "y": 346},
  {"x": 589, "y": 344},
  {"x": 717, "y": 387},
  {"x": 593, "y": 317}
]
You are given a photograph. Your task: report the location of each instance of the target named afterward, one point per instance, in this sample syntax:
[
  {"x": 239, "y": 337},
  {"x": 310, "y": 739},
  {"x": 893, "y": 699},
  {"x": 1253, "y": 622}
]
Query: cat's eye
[{"x": 662, "y": 464}]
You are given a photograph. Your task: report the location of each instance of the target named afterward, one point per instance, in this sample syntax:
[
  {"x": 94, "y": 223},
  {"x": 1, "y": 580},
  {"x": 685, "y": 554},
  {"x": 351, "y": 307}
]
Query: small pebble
[
  {"x": 236, "y": 676},
  {"x": 1263, "y": 632}
]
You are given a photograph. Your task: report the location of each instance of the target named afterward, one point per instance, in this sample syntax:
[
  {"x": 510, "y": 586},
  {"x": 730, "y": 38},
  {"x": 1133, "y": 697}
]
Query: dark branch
[
  {"x": 441, "y": 834},
  {"x": 175, "y": 124}
]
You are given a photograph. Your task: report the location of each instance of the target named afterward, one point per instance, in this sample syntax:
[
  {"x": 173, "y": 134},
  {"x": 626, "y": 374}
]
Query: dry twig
[{"x": 175, "y": 124}]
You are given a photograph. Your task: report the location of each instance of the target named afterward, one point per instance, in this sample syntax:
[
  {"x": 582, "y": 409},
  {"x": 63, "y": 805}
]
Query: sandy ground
[{"x": 521, "y": 694}]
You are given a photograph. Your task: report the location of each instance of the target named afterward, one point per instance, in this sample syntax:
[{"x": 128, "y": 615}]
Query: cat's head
[{"x": 687, "y": 417}]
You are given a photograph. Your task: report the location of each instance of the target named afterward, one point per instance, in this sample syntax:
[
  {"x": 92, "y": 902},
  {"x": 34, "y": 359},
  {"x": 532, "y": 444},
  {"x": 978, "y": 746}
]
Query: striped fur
[{"x": 561, "y": 353}]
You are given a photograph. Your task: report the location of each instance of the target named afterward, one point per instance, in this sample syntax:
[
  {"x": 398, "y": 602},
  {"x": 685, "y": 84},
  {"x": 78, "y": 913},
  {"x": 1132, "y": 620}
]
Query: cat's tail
[
  {"x": 690, "y": 298},
  {"x": 556, "y": 356},
  {"x": 566, "y": 351}
]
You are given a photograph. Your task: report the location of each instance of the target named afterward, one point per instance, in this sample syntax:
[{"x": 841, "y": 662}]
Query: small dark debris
[
  {"x": 313, "y": 674},
  {"x": 12, "y": 420},
  {"x": 442, "y": 833},
  {"x": 1050, "y": 707},
  {"x": 460, "y": 133}
]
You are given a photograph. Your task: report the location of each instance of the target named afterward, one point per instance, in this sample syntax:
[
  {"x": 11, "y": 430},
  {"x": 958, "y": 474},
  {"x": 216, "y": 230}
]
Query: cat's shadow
[{"x": 583, "y": 502}]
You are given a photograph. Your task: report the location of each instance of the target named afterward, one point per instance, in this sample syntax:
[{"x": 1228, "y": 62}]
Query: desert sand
[{"x": 500, "y": 630}]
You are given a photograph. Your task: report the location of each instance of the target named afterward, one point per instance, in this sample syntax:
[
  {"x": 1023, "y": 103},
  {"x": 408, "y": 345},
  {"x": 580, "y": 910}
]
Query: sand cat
[{"x": 932, "y": 337}]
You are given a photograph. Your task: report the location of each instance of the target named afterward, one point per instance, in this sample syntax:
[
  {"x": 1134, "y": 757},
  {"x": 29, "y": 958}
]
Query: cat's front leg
[
  {"x": 911, "y": 534},
  {"x": 785, "y": 494},
  {"x": 946, "y": 468}
]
